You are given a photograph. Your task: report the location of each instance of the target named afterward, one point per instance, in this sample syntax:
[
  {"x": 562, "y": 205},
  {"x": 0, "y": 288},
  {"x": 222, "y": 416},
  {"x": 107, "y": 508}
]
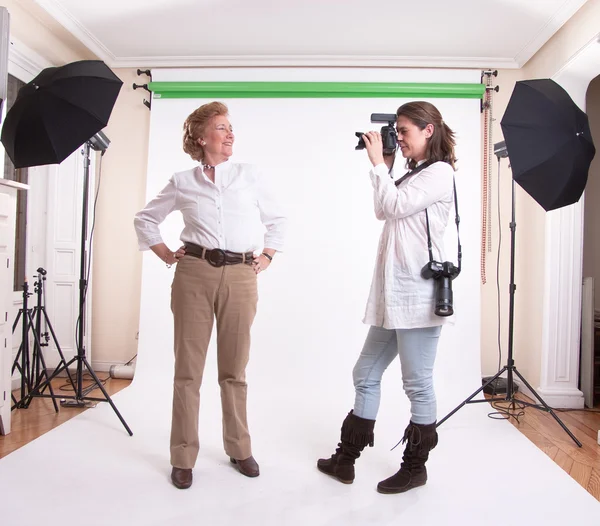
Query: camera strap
[
  {"x": 412, "y": 172},
  {"x": 456, "y": 218}
]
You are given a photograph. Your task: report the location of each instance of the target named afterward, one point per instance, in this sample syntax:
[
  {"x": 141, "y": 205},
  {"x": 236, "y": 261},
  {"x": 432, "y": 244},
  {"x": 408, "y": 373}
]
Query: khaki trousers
[{"x": 199, "y": 294}]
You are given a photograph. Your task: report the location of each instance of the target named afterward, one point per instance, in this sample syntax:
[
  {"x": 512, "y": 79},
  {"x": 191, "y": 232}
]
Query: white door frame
[{"x": 563, "y": 262}]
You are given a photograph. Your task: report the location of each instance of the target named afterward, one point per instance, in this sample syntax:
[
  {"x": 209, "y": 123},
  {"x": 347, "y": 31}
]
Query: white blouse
[
  {"x": 235, "y": 213},
  {"x": 400, "y": 298}
]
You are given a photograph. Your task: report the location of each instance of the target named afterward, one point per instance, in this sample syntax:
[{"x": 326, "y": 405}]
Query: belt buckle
[{"x": 216, "y": 257}]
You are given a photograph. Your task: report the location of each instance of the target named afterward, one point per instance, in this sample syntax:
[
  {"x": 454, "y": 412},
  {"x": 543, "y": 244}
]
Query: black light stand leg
[
  {"x": 32, "y": 369},
  {"x": 16, "y": 363},
  {"x": 38, "y": 358},
  {"x": 39, "y": 313},
  {"x": 510, "y": 368},
  {"x": 62, "y": 361},
  {"x": 24, "y": 344},
  {"x": 470, "y": 399},
  {"x": 546, "y": 407},
  {"x": 21, "y": 362},
  {"x": 79, "y": 399}
]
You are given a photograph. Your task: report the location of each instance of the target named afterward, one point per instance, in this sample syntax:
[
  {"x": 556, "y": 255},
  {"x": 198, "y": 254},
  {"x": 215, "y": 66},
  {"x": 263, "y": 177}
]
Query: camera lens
[{"x": 443, "y": 296}]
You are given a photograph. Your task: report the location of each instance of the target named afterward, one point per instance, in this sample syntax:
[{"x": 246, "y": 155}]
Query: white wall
[{"x": 117, "y": 262}]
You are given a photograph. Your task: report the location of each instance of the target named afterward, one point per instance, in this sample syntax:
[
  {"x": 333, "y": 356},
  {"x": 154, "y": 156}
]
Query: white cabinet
[{"x": 8, "y": 212}]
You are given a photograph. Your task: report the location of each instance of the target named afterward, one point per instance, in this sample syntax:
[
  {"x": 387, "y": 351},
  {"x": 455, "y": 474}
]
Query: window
[{"x": 18, "y": 175}]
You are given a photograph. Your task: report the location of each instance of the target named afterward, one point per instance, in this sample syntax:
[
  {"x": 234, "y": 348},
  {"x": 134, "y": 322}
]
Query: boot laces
[{"x": 412, "y": 435}]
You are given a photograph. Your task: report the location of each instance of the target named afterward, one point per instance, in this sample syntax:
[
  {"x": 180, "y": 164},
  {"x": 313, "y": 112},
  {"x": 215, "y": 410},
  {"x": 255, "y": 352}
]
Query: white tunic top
[
  {"x": 235, "y": 213},
  {"x": 400, "y": 298}
]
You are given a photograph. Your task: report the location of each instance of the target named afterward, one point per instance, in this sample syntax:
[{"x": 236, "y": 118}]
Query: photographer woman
[
  {"x": 400, "y": 308},
  {"x": 225, "y": 207}
]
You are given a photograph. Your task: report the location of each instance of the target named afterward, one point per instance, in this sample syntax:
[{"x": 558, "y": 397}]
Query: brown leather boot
[
  {"x": 356, "y": 434},
  {"x": 181, "y": 478},
  {"x": 420, "y": 440}
]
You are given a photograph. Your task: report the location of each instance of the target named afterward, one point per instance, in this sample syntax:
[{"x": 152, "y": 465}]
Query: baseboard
[
  {"x": 102, "y": 367},
  {"x": 562, "y": 398},
  {"x": 555, "y": 398}
]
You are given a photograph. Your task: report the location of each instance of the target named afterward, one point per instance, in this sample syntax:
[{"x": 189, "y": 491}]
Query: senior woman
[{"x": 233, "y": 228}]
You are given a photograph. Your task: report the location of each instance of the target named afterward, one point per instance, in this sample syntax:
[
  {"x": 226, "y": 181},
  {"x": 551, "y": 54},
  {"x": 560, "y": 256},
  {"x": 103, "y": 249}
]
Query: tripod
[
  {"x": 33, "y": 369},
  {"x": 510, "y": 367},
  {"x": 80, "y": 399}
]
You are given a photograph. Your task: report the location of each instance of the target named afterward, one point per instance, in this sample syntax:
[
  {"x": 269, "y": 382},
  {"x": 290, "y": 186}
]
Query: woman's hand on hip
[
  {"x": 164, "y": 253},
  {"x": 260, "y": 263},
  {"x": 374, "y": 146}
]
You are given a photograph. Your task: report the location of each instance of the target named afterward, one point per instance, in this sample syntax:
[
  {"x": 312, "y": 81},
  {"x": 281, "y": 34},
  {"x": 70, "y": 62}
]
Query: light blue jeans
[{"x": 417, "y": 349}]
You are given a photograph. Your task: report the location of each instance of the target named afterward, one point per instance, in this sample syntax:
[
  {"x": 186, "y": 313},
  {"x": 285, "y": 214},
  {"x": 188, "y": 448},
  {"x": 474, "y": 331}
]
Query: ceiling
[{"x": 398, "y": 33}]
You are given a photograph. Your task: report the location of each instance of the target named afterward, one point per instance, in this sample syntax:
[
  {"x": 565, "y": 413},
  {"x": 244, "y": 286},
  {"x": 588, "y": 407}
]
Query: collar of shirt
[{"x": 220, "y": 170}]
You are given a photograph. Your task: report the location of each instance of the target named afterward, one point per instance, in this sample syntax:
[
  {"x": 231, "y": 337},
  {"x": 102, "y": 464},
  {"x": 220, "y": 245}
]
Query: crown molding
[
  {"x": 56, "y": 10},
  {"x": 23, "y": 62},
  {"x": 345, "y": 61},
  {"x": 564, "y": 13}
]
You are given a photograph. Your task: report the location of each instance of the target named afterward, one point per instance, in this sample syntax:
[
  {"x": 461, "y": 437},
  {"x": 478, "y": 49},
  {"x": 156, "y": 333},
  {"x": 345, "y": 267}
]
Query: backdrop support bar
[{"x": 274, "y": 90}]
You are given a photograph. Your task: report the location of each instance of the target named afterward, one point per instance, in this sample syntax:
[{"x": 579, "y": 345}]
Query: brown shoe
[
  {"x": 247, "y": 467},
  {"x": 181, "y": 478}
]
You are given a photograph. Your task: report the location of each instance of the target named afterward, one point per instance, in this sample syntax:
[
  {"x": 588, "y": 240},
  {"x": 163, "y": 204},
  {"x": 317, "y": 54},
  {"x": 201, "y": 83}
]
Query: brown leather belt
[{"x": 217, "y": 257}]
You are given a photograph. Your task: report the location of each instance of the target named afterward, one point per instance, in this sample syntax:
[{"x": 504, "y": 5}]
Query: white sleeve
[
  {"x": 146, "y": 221},
  {"x": 432, "y": 184},
  {"x": 271, "y": 216},
  {"x": 378, "y": 208}
]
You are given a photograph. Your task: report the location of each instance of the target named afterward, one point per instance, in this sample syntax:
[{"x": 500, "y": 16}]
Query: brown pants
[{"x": 200, "y": 293}]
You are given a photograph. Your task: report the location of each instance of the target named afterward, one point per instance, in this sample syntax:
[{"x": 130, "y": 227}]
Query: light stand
[
  {"x": 510, "y": 367},
  {"x": 33, "y": 370},
  {"x": 99, "y": 143}
]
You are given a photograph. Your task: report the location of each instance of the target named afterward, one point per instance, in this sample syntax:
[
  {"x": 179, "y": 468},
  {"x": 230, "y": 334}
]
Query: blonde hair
[{"x": 195, "y": 125}]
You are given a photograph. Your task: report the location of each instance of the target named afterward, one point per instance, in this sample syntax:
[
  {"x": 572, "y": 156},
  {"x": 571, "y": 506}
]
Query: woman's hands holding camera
[{"x": 374, "y": 147}]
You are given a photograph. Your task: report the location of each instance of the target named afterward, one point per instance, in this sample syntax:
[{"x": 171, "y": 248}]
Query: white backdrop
[{"x": 308, "y": 331}]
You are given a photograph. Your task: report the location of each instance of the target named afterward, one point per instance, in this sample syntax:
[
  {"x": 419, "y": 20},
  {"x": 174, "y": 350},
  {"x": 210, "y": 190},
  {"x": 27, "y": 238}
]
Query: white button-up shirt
[
  {"x": 235, "y": 213},
  {"x": 400, "y": 298}
]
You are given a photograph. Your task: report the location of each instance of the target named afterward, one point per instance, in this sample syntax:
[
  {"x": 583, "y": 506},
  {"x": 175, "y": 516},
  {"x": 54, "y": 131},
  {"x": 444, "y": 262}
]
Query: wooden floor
[
  {"x": 582, "y": 464},
  {"x": 40, "y": 417}
]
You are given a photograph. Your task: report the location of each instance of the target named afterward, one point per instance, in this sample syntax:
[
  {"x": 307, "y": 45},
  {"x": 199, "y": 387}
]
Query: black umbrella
[
  {"x": 549, "y": 142},
  {"x": 58, "y": 111}
]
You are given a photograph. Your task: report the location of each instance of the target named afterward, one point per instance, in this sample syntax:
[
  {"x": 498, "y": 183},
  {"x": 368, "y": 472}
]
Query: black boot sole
[
  {"x": 333, "y": 475},
  {"x": 394, "y": 491}
]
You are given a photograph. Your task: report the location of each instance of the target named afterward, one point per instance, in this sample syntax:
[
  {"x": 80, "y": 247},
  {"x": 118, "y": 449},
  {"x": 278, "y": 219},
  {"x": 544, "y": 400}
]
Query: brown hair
[
  {"x": 195, "y": 125},
  {"x": 440, "y": 146}
]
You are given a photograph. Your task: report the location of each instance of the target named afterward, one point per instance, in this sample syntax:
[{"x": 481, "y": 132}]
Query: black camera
[
  {"x": 388, "y": 133},
  {"x": 442, "y": 274}
]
